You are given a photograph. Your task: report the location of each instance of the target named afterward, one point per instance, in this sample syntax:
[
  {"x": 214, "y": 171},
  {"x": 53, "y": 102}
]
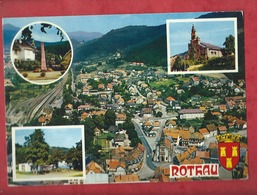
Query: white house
[
  {"x": 191, "y": 113},
  {"x": 95, "y": 174},
  {"x": 204, "y": 131},
  {"x": 25, "y": 167},
  {"x": 23, "y": 52}
]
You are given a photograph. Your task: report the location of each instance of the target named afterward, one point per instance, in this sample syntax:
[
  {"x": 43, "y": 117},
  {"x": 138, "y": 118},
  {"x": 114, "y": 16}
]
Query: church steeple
[{"x": 193, "y": 33}]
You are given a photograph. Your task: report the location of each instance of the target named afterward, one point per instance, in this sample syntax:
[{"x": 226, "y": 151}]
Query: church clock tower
[{"x": 193, "y": 33}]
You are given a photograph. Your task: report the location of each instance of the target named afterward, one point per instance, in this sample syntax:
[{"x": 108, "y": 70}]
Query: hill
[
  {"x": 153, "y": 53},
  {"x": 9, "y": 31},
  {"x": 82, "y": 36},
  {"x": 58, "y": 48},
  {"x": 124, "y": 39}
]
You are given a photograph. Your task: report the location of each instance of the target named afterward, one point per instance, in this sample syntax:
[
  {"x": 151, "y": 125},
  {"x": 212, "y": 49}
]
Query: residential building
[
  {"x": 222, "y": 129},
  {"x": 188, "y": 154},
  {"x": 190, "y": 113},
  {"x": 170, "y": 100},
  {"x": 22, "y": 51},
  {"x": 147, "y": 112},
  {"x": 204, "y": 131},
  {"x": 134, "y": 158},
  {"x": 115, "y": 167},
  {"x": 95, "y": 174},
  {"x": 120, "y": 118},
  {"x": 212, "y": 129}
]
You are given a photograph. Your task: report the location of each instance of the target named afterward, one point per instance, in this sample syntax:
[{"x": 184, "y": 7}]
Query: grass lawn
[
  {"x": 101, "y": 140},
  {"x": 169, "y": 82},
  {"x": 164, "y": 82},
  {"x": 195, "y": 67},
  {"x": 52, "y": 174}
]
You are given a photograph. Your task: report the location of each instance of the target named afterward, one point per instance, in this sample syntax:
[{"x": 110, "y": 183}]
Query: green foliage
[
  {"x": 20, "y": 153},
  {"x": 109, "y": 118},
  {"x": 229, "y": 45},
  {"x": 136, "y": 68},
  {"x": 80, "y": 85},
  {"x": 200, "y": 90},
  {"x": 89, "y": 99},
  {"x": 88, "y": 69},
  {"x": 57, "y": 155},
  {"x": 56, "y": 49},
  {"x": 74, "y": 156},
  {"x": 153, "y": 53},
  {"x": 36, "y": 149},
  {"x": 135, "y": 141},
  {"x": 99, "y": 121},
  {"x": 222, "y": 63},
  {"x": 158, "y": 114},
  {"x": 145, "y": 43},
  {"x": 180, "y": 64},
  {"x": 27, "y": 37},
  {"x": 27, "y": 65},
  {"x": 209, "y": 117}
]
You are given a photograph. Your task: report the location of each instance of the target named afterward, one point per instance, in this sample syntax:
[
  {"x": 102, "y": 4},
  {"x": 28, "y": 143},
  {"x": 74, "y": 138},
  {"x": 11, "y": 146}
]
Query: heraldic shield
[{"x": 229, "y": 150}]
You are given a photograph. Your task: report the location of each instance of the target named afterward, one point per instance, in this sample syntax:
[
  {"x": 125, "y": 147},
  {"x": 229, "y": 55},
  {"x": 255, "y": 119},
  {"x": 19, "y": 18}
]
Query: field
[{"x": 168, "y": 82}]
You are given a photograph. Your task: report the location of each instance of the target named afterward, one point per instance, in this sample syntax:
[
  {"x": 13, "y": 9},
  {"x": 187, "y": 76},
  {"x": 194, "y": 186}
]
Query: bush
[
  {"x": 25, "y": 74},
  {"x": 43, "y": 74}
]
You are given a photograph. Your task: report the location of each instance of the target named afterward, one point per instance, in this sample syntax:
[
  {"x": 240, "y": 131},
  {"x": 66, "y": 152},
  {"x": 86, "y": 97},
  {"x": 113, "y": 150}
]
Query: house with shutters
[{"x": 22, "y": 51}]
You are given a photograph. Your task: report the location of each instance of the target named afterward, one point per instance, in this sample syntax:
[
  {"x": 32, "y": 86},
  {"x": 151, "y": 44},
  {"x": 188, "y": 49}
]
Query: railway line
[{"x": 25, "y": 111}]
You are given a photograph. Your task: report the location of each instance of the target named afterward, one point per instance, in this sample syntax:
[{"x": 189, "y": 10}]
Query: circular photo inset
[{"x": 41, "y": 53}]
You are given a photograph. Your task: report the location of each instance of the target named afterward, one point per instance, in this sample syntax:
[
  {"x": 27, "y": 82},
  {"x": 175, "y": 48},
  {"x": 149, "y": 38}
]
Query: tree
[
  {"x": 89, "y": 126},
  {"x": 109, "y": 118},
  {"x": 74, "y": 156},
  {"x": 99, "y": 121},
  {"x": 158, "y": 114},
  {"x": 26, "y": 34},
  {"x": 56, "y": 156},
  {"x": 135, "y": 141},
  {"x": 37, "y": 149},
  {"x": 20, "y": 153},
  {"x": 209, "y": 116},
  {"x": 229, "y": 45}
]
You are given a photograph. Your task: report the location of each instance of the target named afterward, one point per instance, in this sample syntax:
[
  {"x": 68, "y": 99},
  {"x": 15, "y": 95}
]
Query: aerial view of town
[{"x": 137, "y": 119}]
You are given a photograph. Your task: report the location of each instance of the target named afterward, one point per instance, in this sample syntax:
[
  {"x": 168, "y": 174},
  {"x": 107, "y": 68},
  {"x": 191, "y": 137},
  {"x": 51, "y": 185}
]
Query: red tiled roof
[{"x": 170, "y": 98}]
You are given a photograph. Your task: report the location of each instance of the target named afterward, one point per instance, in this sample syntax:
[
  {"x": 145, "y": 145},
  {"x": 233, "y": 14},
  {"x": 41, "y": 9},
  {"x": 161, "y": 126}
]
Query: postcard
[{"x": 125, "y": 98}]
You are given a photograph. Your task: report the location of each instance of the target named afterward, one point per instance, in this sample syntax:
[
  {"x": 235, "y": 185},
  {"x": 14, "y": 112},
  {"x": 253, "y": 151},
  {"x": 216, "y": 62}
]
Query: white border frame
[
  {"x": 66, "y": 36},
  {"x": 170, "y": 21},
  {"x": 14, "y": 129}
]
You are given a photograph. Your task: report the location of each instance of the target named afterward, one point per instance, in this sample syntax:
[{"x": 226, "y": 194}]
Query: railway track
[{"x": 25, "y": 111}]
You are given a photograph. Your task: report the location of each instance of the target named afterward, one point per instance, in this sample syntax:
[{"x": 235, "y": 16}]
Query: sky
[
  {"x": 213, "y": 31},
  {"x": 49, "y": 36},
  {"x": 55, "y": 136},
  {"x": 102, "y": 23}
]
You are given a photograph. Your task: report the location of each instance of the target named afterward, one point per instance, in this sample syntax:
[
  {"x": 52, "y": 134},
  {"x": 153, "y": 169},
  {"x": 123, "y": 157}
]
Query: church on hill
[{"x": 198, "y": 50}]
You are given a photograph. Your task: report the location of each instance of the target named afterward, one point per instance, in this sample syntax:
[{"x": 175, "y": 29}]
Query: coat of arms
[{"x": 229, "y": 150}]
